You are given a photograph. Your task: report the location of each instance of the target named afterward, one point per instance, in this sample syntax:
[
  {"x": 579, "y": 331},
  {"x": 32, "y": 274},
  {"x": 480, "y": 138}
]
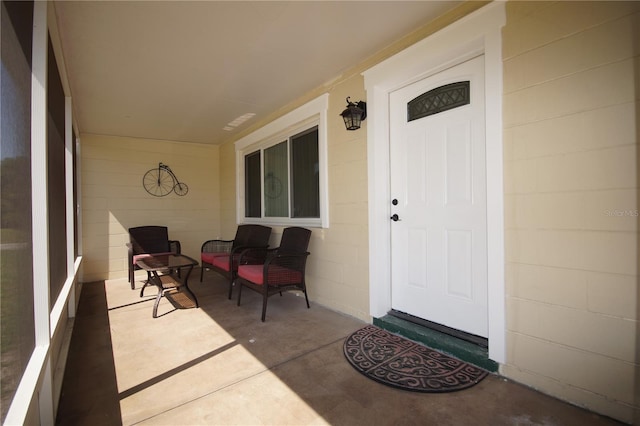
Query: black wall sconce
[{"x": 354, "y": 114}]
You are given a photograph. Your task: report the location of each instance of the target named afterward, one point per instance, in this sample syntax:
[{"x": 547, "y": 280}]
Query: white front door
[{"x": 438, "y": 192}]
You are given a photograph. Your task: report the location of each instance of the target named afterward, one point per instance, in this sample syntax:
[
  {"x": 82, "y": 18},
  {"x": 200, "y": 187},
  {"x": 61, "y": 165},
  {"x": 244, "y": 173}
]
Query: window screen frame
[{"x": 303, "y": 119}]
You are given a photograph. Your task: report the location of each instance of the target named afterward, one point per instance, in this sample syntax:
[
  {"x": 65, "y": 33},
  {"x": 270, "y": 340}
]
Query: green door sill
[{"x": 458, "y": 348}]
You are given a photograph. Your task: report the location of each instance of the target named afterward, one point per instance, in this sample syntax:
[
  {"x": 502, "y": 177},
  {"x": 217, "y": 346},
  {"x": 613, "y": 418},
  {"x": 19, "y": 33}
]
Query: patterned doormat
[{"x": 395, "y": 361}]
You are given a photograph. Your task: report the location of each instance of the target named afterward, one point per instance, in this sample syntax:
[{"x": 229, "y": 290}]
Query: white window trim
[{"x": 308, "y": 115}]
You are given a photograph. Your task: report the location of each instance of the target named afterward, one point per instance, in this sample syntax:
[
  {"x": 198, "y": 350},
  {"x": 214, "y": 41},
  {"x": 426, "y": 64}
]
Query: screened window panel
[
  {"x": 252, "y": 190},
  {"x": 276, "y": 181},
  {"x": 56, "y": 179},
  {"x": 289, "y": 182},
  {"x": 305, "y": 171},
  {"x": 17, "y": 327}
]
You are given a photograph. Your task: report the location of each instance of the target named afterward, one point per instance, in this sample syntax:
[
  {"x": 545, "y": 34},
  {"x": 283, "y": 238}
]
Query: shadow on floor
[
  {"x": 90, "y": 373},
  {"x": 220, "y": 365}
]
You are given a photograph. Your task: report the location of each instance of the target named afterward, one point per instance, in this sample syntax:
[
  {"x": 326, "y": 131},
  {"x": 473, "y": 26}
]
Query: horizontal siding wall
[
  {"x": 571, "y": 182},
  {"x": 340, "y": 268},
  {"x": 228, "y": 191},
  {"x": 114, "y": 200}
]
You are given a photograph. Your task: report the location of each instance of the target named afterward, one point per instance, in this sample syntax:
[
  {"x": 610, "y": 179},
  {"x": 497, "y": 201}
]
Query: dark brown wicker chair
[
  {"x": 221, "y": 256},
  {"x": 145, "y": 240},
  {"x": 283, "y": 269}
]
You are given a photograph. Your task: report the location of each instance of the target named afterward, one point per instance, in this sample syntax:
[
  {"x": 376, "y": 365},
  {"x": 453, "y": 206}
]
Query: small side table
[{"x": 167, "y": 264}]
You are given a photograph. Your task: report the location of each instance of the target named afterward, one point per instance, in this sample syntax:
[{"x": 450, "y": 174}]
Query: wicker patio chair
[
  {"x": 283, "y": 270},
  {"x": 221, "y": 256},
  {"x": 145, "y": 240}
]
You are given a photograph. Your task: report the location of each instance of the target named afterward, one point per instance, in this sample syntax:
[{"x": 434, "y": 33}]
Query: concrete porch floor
[{"x": 220, "y": 365}]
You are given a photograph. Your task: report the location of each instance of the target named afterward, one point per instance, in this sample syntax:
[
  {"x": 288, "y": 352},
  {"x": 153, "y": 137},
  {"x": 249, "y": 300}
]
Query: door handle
[{"x": 395, "y": 218}]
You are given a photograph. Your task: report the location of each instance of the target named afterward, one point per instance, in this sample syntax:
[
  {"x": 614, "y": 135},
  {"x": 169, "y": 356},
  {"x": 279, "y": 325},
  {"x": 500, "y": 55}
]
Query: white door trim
[{"x": 479, "y": 32}]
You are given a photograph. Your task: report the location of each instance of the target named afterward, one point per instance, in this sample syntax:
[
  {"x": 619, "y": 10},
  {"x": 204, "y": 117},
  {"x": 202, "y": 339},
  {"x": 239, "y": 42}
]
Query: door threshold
[
  {"x": 435, "y": 339},
  {"x": 471, "y": 338}
]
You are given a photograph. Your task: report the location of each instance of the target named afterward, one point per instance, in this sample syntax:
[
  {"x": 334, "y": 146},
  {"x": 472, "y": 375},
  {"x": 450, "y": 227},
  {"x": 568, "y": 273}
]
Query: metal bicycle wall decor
[{"x": 161, "y": 181}]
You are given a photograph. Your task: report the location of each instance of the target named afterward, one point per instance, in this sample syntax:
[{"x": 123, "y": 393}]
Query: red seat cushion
[
  {"x": 251, "y": 273},
  {"x": 221, "y": 262},
  {"x": 278, "y": 275},
  {"x": 208, "y": 257}
]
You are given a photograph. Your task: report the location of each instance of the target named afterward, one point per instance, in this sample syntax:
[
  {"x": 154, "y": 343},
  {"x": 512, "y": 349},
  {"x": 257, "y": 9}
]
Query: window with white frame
[{"x": 282, "y": 170}]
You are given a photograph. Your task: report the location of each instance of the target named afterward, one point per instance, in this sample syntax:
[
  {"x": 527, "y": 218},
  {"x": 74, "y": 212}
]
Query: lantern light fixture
[{"x": 354, "y": 114}]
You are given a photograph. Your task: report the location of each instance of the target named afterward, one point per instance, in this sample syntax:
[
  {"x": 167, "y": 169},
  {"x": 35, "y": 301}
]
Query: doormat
[{"x": 395, "y": 361}]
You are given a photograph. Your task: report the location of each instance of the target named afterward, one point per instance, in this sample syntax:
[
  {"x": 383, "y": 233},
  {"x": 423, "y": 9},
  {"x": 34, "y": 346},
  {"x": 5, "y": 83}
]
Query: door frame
[{"x": 475, "y": 34}]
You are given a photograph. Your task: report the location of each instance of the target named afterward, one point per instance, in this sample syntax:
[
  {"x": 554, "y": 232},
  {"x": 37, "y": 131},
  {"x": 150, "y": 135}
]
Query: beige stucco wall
[
  {"x": 113, "y": 198},
  {"x": 571, "y": 200}
]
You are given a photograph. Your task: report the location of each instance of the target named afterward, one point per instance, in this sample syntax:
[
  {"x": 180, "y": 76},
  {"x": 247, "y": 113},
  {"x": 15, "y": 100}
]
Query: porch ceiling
[{"x": 181, "y": 70}]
